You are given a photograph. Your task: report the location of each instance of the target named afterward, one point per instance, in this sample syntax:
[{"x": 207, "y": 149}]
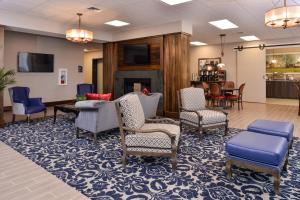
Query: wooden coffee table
[{"x": 66, "y": 108}]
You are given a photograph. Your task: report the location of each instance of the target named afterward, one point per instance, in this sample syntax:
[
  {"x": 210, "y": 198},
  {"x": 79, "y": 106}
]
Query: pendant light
[
  {"x": 79, "y": 35},
  {"x": 222, "y": 40},
  {"x": 283, "y": 17}
]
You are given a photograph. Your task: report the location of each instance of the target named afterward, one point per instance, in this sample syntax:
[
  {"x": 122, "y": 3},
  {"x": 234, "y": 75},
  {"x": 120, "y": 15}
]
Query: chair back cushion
[
  {"x": 84, "y": 88},
  {"x": 192, "y": 98},
  {"x": 133, "y": 114},
  {"x": 20, "y": 95}
]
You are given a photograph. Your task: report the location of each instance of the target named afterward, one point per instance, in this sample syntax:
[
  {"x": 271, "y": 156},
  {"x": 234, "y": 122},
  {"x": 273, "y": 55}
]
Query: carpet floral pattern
[{"x": 95, "y": 169}]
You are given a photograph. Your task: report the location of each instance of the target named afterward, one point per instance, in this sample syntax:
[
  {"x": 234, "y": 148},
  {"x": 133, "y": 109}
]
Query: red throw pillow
[
  {"x": 146, "y": 91},
  {"x": 94, "y": 96}
]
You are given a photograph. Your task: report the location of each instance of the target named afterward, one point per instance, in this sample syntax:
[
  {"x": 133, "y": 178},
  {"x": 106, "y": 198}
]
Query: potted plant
[{"x": 7, "y": 77}]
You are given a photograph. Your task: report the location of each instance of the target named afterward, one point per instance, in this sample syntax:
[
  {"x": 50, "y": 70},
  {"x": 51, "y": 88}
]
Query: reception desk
[{"x": 284, "y": 89}]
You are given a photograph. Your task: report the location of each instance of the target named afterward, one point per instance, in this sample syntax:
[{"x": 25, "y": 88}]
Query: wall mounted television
[
  {"x": 35, "y": 62},
  {"x": 136, "y": 54}
]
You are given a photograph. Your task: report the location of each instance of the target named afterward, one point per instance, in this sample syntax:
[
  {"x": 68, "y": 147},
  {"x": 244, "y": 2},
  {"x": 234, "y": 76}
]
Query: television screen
[
  {"x": 136, "y": 54},
  {"x": 35, "y": 62}
]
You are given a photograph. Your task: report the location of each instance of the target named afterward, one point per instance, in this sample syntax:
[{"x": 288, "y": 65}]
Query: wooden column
[
  {"x": 176, "y": 69},
  {"x": 109, "y": 66},
  {"x": 1, "y": 65}
]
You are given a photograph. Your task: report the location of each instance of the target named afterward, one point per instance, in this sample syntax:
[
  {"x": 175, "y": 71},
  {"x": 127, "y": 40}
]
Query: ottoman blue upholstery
[
  {"x": 261, "y": 148},
  {"x": 259, "y": 152},
  {"x": 276, "y": 128}
]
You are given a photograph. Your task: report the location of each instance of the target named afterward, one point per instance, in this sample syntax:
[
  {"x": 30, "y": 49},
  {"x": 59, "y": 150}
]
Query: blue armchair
[
  {"x": 23, "y": 105},
  {"x": 84, "y": 88}
]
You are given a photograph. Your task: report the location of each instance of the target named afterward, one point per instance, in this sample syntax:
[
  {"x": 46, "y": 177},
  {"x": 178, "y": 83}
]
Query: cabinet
[{"x": 283, "y": 89}]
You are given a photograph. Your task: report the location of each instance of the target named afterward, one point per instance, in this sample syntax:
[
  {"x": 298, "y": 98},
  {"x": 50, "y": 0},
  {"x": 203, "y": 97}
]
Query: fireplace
[{"x": 141, "y": 83}]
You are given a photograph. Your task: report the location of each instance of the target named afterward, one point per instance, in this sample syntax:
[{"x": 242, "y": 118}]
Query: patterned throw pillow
[
  {"x": 132, "y": 110},
  {"x": 94, "y": 96}
]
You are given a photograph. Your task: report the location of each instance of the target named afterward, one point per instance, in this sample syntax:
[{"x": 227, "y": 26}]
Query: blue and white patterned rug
[{"x": 96, "y": 171}]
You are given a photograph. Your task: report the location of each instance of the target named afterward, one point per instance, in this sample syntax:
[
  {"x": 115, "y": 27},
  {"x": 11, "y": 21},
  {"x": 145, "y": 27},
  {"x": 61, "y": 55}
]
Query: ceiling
[{"x": 247, "y": 14}]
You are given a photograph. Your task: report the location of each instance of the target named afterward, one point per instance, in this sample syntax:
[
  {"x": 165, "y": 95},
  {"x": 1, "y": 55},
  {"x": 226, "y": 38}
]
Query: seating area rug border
[{"x": 95, "y": 169}]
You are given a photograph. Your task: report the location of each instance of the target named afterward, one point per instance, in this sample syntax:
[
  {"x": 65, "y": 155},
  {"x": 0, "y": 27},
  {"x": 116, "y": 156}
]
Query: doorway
[{"x": 97, "y": 75}]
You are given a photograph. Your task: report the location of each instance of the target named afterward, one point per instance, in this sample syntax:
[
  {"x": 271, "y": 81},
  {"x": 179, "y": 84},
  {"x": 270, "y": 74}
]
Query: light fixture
[
  {"x": 283, "y": 17},
  {"x": 175, "y": 2},
  {"x": 249, "y": 38},
  {"x": 79, "y": 35},
  {"x": 222, "y": 40},
  {"x": 223, "y": 24},
  {"x": 117, "y": 23},
  {"x": 197, "y": 43},
  {"x": 273, "y": 61}
]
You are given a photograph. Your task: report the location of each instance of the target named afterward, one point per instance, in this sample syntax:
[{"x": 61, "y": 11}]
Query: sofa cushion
[
  {"x": 277, "y": 128},
  {"x": 155, "y": 139},
  {"x": 88, "y": 104},
  {"x": 258, "y": 147},
  {"x": 132, "y": 110},
  {"x": 209, "y": 117},
  {"x": 94, "y": 96}
]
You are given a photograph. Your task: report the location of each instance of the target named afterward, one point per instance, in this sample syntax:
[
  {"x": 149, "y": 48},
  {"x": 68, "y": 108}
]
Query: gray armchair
[
  {"x": 139, "y": 136},
  {"x": 99, "y": 116},
  {"x": 194, "y": 113}
]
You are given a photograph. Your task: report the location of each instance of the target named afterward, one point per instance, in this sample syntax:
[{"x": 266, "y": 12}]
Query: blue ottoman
[
  {"x": 258, "y": 152},
  {"x": 276, "y": 128}
]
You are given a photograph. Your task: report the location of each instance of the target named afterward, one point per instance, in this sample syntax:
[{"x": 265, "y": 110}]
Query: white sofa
[{"x": 98, "y": 116}]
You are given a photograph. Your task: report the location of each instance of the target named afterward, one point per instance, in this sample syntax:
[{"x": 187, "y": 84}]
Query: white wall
[
  {"x": 66, "y": 55},
  {"x": 213, "y": 51}
]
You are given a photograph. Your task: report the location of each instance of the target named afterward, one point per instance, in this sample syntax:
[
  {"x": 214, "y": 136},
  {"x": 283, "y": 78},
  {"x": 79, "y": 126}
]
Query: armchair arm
[
  {"x": 35, "y": 101},
  {"x": 170, "y": 135},
  {"x": 162, "y": 120},
  {"x": 218, "y": 110},
  {"x": 186, "y": 110}
]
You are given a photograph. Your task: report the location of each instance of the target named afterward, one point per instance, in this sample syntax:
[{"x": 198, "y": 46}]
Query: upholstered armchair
[
  {"x": 23, "y": 105},
  {"x": 194, "y": 113},
  {"x": 139, "y": 136}
]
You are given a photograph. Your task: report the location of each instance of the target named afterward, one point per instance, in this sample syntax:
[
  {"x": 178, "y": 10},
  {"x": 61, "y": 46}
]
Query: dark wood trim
[{"x": 48, "y": 104}]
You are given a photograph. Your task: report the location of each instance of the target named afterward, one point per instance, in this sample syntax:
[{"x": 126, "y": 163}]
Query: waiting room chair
[
  {"x": 23, "y": 105},
  {"x": 194, "y": 113},
  {"x": 238, "y": 97},
  {"x": 145, "y": 137}
]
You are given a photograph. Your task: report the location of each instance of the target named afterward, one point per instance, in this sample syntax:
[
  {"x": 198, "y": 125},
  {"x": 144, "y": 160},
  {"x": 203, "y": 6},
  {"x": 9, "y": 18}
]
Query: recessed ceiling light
[
  {"x": 117, "y": 23},
  {"x": 197, "y": 43},
  {"x": 249, "y": 38},
  {"x": 175, "y": 2},
  {"x": 223, "y": 24}
]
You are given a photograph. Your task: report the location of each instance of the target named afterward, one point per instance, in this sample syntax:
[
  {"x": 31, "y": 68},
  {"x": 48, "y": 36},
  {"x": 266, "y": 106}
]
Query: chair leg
[
  {"x": 124, "y": 159},
  {"x": 77, "y": 133},
  {"x": 28, "y": 119},
  {"x": 285, "y": 164},
  {"x": 173, "y": 161},
  {"x": 226, "y": 127},
  {"x": 45, "y": 114},
  {"x": 95, "y": 137},
  {"x": 13, "y": 118},
  {"x": 238, "y": 105},
  {"x": 242, "y": 104},
  {"x": 228, "y": 169}
]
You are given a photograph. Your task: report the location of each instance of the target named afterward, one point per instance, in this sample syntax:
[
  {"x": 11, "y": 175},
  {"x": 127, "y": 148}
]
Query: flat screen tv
[
  {"x": 136, "y": 54},
  {"x": 35, "y": 62}
]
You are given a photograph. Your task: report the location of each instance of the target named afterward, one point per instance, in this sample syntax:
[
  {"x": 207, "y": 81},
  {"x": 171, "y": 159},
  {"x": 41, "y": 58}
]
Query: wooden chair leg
[
  {"x": 13, "y": 118},
  {"x": 28, "y": 119},
  {"x": 124, "y": 159},
  {"x": 228, "y": 169},
  {"x": 285, "y": 164},
  {"x": 77, "y": 133},
  {"x": 95, "y": 137},
  {"x": 45, "y": 114},
  {"x": 174, "y": 161}
]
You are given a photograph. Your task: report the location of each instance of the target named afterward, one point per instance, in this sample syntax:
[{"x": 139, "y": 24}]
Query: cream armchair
[
  {"x": 194, "y": 113},
  {"x": 153, "y": 137}
]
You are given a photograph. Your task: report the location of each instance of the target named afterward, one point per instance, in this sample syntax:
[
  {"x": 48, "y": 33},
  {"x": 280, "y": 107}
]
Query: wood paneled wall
[
  {"x": 171, "y": 55},
  {"x": 176, "y": 70},
  {"x": 109, "y": 66},
  {"x": 155, "y": 51}
]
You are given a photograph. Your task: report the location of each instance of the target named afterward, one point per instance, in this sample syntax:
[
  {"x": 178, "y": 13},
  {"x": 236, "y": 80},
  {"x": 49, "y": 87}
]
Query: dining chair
[
  {"x": 229, "y": 85},
  {"x": 298, "y": 90},
  {"x": 207, "y": 94},
  {"x": 238, "y": 97},
  {"x": 216, "y": 94}
]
